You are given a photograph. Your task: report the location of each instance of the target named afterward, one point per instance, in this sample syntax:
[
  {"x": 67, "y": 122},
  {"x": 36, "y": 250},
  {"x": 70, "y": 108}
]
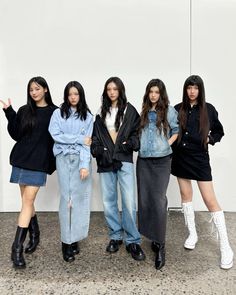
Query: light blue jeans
[
  {"x": 126, "y": 224},
  {"x": 74, "y": 210}
]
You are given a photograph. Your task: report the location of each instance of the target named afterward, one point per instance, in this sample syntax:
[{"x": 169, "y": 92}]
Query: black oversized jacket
[
  {"x": 109, "y": 155},
  {"x": 191, "y": 138}
]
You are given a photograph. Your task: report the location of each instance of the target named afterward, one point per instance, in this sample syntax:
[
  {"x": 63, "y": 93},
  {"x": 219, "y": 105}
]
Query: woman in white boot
[{"x": 199, "y": 126}]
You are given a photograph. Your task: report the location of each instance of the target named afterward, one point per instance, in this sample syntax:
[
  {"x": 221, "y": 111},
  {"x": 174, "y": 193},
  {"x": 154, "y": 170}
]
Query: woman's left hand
[{"x": 83, "y": 173}]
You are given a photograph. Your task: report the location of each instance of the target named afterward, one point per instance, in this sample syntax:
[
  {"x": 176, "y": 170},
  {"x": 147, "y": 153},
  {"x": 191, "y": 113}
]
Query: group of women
[{"x": 168, "y": 140}]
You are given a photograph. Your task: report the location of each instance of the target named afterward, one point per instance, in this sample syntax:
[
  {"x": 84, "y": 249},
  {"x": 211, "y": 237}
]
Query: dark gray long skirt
[{"x": 153, "y": 176}]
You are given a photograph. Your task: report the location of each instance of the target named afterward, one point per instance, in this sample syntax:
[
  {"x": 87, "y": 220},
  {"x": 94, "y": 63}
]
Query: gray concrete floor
[{"x": 96, "y": 272}]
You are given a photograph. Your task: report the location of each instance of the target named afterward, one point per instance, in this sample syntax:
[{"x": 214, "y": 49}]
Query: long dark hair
[
  {"x": 29, "y": 119},
  {"x": 81, "y": 106},
  {"x": 121, "y": 104},
  {"x": 161, "y": 106},
  {"x": 203, "y": 118}
]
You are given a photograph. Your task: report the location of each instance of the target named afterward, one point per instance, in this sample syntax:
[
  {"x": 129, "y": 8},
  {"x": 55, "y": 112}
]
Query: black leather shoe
[
  {"x": 75, "y": 248},
  {"x": 113, "y": 246},
  {"x": 160, "y": 256},
  {"x": 67, "y": 252},
  {"x": 136, "y": 251}
]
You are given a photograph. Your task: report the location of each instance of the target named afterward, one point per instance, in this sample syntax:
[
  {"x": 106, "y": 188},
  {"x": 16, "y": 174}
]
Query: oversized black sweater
[{"x": 33, "y": 149}]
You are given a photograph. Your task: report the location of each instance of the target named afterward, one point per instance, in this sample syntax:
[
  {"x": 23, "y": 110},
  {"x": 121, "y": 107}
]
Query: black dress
[{"x": 190, "y": 157}]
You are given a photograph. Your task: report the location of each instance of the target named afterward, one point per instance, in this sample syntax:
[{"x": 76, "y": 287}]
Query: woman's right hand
[{"x": 6, "y": 105}]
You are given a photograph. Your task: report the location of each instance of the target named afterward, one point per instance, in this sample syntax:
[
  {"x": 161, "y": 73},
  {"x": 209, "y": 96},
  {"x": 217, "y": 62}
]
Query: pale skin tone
[
  {"x": 28, "y": 193},
  {"x": 206, "y": 187},
  {"x": 154, "y": 95},
  {"x": 113, "y": 94},
  {"x": 74, "y": 100}
]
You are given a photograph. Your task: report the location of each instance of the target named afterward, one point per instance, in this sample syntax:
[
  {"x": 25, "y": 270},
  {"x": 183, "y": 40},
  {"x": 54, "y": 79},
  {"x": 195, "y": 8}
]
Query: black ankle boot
[
  {"x": 34, "y": 234},
  {"x": 67, "y": 252},
  {"x": 75, "y": 248},
  {"x": 160, "y": 255},
  {"x": 17, "y": 248}
]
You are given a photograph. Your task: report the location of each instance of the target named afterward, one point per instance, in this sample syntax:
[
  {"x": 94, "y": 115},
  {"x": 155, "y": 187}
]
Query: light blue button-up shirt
[
  {"x": 152, "y": 142},
  {"x": 69, "y": 135}
]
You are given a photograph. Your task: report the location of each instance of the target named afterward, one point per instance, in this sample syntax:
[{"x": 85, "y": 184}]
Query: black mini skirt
[{"x": 191, "y": 164}]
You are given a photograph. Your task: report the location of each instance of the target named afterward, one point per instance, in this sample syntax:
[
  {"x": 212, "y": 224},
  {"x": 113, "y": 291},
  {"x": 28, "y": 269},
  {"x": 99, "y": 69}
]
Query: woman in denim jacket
[
  {"x": 71, "y": 128},
  {"x": 158, "y": 130}
]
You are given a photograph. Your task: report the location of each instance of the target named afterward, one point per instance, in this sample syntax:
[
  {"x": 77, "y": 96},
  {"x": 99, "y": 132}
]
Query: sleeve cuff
[{"x": 84, "y": 165}]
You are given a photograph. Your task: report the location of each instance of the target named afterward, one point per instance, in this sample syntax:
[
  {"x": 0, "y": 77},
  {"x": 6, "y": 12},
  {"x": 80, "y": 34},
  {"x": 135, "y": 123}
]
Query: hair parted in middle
[
  {"x": 161, "y": 106},
  {"x": 81, "y": 107},
  {"x": 29, "y": 118},
  {"x": 121, "y": 104}
]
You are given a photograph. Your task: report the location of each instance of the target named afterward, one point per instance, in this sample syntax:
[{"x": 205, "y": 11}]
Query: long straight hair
[
  {"x": 161, "y": 106},
  {"x": 81, "y": 106},
  {"x": 121, "y": 104},
  {"x": 29, "y": 119},
  {"x": 201, "y": 101}
]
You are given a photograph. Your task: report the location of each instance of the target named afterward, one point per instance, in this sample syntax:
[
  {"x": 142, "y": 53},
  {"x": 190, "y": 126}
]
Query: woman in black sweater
[
  {"x": 31, "y": 159},
  {"x": 199, "y": 126}
]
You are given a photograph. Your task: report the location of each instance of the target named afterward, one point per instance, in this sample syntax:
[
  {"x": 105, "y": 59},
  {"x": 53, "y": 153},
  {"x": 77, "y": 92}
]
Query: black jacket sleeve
[
  {"x": 96, "y": 146},
  {"x": 216, "y": 128},
  {"x": 132, "y": 142}
]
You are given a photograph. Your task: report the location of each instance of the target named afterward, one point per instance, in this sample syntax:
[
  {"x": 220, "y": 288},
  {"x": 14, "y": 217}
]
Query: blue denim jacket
[
  {"x": 69, "y": 134},
  {"x": 153, "y": 143}
]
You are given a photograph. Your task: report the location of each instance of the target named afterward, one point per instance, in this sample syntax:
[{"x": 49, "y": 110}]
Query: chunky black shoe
[
  {"x": 67, "y": 252},
  {"x": 75, "y": 248},
  {"x": 113, "y": 246},
  {"x": 136, "y": 251},
  {"x": 17, "y": 256},
  {"x": 160, "y": 256},
  {"x": 34, "y": 234}
]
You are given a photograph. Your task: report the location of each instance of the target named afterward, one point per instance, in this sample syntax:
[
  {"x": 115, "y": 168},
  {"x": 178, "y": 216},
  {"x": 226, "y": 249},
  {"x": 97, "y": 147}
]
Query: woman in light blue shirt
[
  {"x": 158, "y": 130},
  {"x": 71, "y": 128}
]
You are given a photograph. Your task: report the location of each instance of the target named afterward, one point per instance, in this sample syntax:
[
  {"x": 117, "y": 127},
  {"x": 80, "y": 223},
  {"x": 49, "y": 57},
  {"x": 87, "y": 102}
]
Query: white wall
[{"x": 137, "y": 40}]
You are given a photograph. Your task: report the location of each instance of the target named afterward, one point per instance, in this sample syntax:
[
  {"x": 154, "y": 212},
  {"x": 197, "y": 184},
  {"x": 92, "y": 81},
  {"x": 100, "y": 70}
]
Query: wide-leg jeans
[{"x": 124, "y": 226}]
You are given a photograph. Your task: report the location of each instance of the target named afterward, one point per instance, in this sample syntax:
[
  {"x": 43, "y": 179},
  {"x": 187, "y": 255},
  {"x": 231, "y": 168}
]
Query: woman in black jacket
[
  {"x": 114, "y": 139},
  {"x": 31, "y": 159},
  {"x": 199, "y": 126}
]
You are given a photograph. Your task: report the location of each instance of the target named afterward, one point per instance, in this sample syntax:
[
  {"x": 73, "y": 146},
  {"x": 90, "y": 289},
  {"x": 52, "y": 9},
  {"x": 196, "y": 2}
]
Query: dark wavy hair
[
  {"x": 161, "y": 106},
  {"x": 121, "y": 104},
  {"x": 81, "y": 106},
  {"x": 29, "y": 119},
  {"x": 183, "y": 111}
]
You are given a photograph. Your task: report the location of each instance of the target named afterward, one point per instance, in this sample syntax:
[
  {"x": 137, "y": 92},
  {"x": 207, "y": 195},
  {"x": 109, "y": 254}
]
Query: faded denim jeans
[
  {"x": 75, "y": 195},
  {"x": 126, "y": 223}
]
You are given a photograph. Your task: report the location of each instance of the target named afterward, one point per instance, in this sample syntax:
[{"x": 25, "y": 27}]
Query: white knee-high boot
[
  {"x": 227, "y": 254},
  {"x": 190, "y": 222}
]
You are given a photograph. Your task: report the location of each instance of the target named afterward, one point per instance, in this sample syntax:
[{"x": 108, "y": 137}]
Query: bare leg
[
  {"x": 28, "y": 196},
  {"x": 208, "y": 195},
  {"x": 22, "y": 189},
  {"x": 186, "y": 191}
]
